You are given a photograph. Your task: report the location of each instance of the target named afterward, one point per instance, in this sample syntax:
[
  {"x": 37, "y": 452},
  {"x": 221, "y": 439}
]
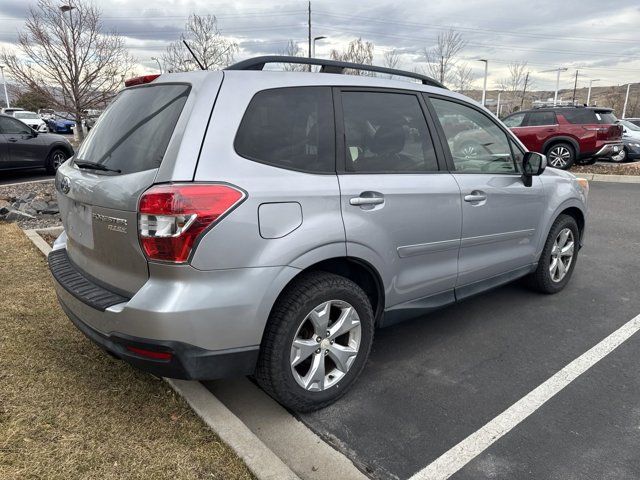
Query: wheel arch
[
  {"x": 561, "y": 139},
  {"x": 59, "y": 146}
]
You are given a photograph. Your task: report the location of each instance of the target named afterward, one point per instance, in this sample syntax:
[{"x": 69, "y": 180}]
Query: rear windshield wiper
[{"x": 96, "y": 166}]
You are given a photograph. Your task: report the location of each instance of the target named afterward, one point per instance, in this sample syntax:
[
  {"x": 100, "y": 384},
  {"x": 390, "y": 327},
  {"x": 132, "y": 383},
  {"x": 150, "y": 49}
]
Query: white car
[
  {"x": 630, "y": 130},
  {"x": 32, "y": 119}
]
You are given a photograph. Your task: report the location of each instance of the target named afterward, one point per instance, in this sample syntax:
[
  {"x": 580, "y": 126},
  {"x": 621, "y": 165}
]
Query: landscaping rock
[
  {"x": 38, "y": 205},
  {"x": 16, "y": 215}
]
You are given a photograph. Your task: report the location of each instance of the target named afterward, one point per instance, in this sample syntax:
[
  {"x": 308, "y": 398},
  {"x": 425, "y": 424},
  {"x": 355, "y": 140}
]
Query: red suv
[{"x": 568, "y": 134}]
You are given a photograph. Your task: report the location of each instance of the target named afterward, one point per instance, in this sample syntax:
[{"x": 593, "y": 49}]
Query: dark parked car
[
  {"x": 22, "y": 147},
  {"x": 568, "y": 134}
]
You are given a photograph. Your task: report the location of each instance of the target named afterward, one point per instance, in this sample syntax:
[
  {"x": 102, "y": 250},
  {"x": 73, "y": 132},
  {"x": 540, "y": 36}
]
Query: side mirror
[{"x": 533, "y": 164}]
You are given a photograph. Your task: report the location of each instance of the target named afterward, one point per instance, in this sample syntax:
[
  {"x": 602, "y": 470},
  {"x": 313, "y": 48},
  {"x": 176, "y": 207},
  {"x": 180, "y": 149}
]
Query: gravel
[{"x": 30, "y": 205}]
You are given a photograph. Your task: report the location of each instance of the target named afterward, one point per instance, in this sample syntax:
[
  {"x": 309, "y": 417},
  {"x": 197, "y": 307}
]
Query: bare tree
[
  {"x": 463, "y": 77},
  {"x": 515, "y": 81},
  {"x": 214, "y": 51},
  {"x": 442, "y": 57},
  {"x": 293, "y": 50},
  {"x": 391, "y": 59},
  {"x": 67, "y": 59},
  {"x": 357, "y": 52}
]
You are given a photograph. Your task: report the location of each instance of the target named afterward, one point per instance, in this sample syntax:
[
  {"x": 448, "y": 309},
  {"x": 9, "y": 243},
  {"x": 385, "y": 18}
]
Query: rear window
[
  {"x": 290, "y": 128},
  {"x": 134, "y": 131}
]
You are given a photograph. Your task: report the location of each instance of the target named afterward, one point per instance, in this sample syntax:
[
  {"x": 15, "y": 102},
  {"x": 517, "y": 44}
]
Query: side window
[
  {"x": 386, "y": 133},
  {"x": 537, "y": 119},
  {"x": 9, "y": 125},
  {"x": 514, "y": 120},
  {"x": 290, "y": 128},
  {"x": 476, "y": 143}
]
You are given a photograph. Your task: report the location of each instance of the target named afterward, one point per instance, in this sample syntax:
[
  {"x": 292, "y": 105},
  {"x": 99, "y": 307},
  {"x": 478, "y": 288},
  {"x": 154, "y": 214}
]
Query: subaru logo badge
[{"x": 65, "y": 185}]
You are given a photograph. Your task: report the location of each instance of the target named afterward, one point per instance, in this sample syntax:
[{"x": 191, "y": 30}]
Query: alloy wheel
[
  {"x": 561, "y": 255},
  {"x": 326, "y": 345},
  {"x": 58, "y": 159},
  {"x": 559, "y": 156}
]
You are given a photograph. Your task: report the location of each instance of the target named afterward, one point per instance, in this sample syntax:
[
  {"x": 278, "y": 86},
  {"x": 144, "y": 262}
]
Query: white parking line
[{"x": 465, "y": 451}]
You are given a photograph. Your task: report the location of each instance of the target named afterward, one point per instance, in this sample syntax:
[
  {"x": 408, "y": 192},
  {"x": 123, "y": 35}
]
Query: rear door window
[
  {"x": 134, "y": 131},
  {"x": 536, "y": 119},
  {"x": 290, "y": 128},
  {"x": 386, "y": 133}
]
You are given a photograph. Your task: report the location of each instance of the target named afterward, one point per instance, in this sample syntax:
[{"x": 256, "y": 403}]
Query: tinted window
[
  {"x": 386, "y": 132},
  {"x": 476, "y": 142},
  {"x": 134, "y": 131},
  {"x": 541, "y": 118},
  {"x": 606, "y": 117},
  {"x": 514, "y": 120},
  {"x": 290, "y": 128},
  {"x": 579, "y": 116},
  {"x": 9, "y": 125}
]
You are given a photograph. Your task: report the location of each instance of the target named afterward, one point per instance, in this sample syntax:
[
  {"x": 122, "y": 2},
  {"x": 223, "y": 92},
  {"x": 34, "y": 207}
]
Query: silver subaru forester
[{"x": 260, "y": 222}]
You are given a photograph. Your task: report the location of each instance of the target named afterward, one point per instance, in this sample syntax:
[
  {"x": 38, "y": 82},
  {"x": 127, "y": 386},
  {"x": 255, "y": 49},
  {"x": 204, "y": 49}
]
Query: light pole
[
  {"x": 4, "y": 83},
  {"x": 158, "y": 61},
  {"x": 589, "y": 91},
  {"x": 558, "y": 70},
  {"x": 626, "y": 100},
  {"x": 315, "y": 39},
  {"x": 484, "y": 87},
  {"x": 498, "y": 105}
]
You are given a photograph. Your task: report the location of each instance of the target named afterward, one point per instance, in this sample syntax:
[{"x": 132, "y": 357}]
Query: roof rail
[{"x": 329, "y": 66}]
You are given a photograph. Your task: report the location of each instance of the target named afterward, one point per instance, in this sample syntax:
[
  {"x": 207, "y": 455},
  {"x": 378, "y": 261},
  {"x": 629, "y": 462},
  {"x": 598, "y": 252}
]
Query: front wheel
[
  {"x": 56, "y": 158},
  {"x": 316, "y": 342},
  {"x": 559, "y": 256},
  {"x": 561, "y": 155}
]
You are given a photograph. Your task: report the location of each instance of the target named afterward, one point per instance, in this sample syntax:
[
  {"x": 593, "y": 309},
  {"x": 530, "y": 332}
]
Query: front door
[
  {"x": 500, "y": 215},
  {"x": 25, "y": 148},
  {"x": 401, "y": 212}
]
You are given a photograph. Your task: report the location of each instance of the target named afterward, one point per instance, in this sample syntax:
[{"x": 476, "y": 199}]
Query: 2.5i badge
[{"x": 114, "y": 224}]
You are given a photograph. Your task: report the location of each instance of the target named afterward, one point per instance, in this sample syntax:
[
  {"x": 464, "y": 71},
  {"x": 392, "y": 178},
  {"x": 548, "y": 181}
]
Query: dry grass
[
  {"x": 69, "y": 411},
  {"x": 609, "y": 168}
]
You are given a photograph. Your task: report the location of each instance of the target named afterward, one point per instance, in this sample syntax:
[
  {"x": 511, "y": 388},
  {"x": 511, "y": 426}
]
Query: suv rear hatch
[
  {"x": 137, "y": 143},
  {"x": 610, "y": 130}
]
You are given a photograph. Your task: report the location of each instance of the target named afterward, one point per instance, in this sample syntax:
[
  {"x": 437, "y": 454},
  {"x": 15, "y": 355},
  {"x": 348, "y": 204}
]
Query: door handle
[
  {"x": 475, "y": 196},
  {"x": 366, "y": 201},
  {"x": 13, "y": 139}
]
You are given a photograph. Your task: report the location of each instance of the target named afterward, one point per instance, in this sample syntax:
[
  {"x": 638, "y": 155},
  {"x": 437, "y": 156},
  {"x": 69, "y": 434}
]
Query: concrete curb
[
  {"x": 262, "y": 462},
  {"x": 598, "y": 177},
  {"x": 24, "y": 183}
]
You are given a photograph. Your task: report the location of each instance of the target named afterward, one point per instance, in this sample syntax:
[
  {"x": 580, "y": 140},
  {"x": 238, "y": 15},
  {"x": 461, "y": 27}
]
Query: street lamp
[
  {"x": 589, "y": 91},
  {"x": 626, "y": 100},
  {"x": 498, "y": 105},
  {"x": 314, "y": 44},
  {"x": 4, "y": 83},
  {"x": 158, "y": 61},
  {"x": 484, "y": 87},
  {"x": 558, "y": 70}
]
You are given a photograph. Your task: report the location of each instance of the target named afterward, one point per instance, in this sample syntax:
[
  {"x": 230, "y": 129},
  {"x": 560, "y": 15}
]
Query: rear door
[
  {"x": 142, "y": 129},
  {"x": 400, "y": 211},
  {"x": 500, "y": 216},
  {"x": 538, "y": 128}
]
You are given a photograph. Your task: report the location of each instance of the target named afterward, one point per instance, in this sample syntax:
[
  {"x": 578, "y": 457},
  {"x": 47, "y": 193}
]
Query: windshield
[
  {"x": 629, "y": 125},
  {"x": 26, "y": 115},
  {"x": 134, "y": 131}
]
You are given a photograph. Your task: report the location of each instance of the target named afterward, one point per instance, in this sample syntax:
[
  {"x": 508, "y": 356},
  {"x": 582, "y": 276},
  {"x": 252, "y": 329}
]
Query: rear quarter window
[
  {"x": 290, "y": 128},
  {"x": 579, "y": 116},
  {"x": 134, "y": 131}
]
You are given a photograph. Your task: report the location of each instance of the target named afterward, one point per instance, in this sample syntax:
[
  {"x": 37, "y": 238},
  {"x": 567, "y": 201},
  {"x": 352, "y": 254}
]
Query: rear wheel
[
  {"x": 56, "y": 158},
  {"x": 561, "y": 155},
  {"x": 558, "y": 257},
  {"x": 316, "y": 342},
  {"x": 621, "y": 156}
]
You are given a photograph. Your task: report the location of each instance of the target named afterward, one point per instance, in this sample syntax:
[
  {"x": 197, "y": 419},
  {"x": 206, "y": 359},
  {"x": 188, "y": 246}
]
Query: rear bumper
[
  {"x": 609, "y": 150},
  {"x": 187, "y": 362},
  {"x": 210, "y": 321}
]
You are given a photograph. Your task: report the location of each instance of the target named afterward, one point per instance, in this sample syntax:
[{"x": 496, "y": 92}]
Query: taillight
[
  {"x": 172, "y": 217},
  {"x": 140, "y": 80}
]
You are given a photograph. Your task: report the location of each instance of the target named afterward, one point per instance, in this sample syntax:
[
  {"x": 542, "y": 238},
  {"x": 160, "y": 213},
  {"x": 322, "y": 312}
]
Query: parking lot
[{"x": 432, "y": 382}]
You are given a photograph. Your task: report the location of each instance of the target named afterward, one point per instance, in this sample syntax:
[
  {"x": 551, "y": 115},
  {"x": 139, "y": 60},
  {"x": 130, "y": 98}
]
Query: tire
[
  {"x": 563, "y": 154},
  {"x": 290, "y": 320},
  {"x": 56, "y": 158},
  {"x": 543, "y": 279},
  {"x": 587, "y": 161},
  {"x": 621, "y": 157}
]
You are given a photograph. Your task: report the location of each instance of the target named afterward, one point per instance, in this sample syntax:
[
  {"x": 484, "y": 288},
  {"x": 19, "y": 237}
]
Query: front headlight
[
  {"x": 636, "y": 145},
  {"x": 583, "y": 183}
]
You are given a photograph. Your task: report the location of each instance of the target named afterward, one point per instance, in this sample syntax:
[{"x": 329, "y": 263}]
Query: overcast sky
[{"x": 600, "y": 38}]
